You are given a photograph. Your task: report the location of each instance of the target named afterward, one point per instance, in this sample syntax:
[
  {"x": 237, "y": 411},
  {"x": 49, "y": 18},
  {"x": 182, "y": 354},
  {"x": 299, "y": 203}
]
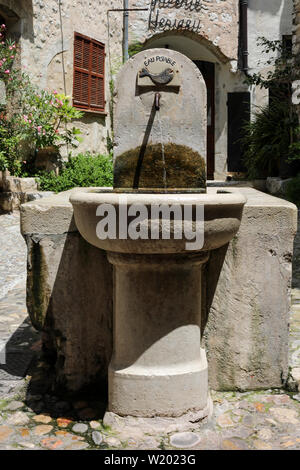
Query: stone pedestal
[{"x": 158, "y": 367}]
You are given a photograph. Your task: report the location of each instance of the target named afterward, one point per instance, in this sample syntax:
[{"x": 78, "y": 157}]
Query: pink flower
[
  {"x": 3, "y": 26},
  {"x": 7, "y": 72},
  {"x": 39, "y": 129},
  {"x": 10, "y": 48},
  {"x": 55, "y": 92},
  {"x": 12, "y": 56},
  {"x": 1, "y": 63}
]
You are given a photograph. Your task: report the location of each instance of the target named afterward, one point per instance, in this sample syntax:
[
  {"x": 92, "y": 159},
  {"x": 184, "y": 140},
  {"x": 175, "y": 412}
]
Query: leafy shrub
[
  {"x": 134, "y": 48},
  {"x": 293, "y": 190},
  {"x": 267, "y": 139},
  {"x": 84, "y": 170},
  {"x": 43, "y": 115},
  {"x": 32, "y": 118}
]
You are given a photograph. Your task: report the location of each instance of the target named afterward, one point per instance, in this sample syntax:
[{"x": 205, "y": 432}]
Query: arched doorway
[{"x": 207, "y": 58}]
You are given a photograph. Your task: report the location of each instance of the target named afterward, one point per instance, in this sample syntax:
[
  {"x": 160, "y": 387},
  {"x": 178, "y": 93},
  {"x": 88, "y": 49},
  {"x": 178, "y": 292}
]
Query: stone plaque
[{"x": 159, "y": 70}]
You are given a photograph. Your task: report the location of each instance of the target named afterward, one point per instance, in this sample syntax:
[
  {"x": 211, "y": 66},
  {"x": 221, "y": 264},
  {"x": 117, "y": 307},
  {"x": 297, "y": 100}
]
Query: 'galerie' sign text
[{"x": 163, "y": 23}]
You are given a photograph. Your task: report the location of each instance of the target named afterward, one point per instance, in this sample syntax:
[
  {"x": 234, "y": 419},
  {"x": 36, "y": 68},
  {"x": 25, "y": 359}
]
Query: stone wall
[
  {"x": 210, "y": 33},
  {"x": 213, "y": 21},
  {"x": 245, "y": 319},
  {"x": 46, "y": 32}
]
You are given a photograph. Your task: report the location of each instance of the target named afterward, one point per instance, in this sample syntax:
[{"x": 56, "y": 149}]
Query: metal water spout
[{"x": 157, "y": 101}]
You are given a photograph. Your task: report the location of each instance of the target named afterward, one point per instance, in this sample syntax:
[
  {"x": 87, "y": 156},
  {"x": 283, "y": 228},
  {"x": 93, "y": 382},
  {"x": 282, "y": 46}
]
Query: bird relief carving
[{"x": 159, "y": 71}]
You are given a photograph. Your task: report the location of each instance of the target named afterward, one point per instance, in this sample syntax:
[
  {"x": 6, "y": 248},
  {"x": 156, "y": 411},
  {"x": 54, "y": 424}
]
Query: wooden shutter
[{"x": 89, "y": 71}]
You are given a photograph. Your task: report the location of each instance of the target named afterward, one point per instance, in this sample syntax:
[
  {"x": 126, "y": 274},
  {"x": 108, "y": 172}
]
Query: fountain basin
[
  {"x": 222, "y": 218},
  {"x": 158, "y": 367}
]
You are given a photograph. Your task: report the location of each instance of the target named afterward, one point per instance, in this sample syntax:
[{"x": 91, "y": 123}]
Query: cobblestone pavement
[{"x": 33, "y": 419}]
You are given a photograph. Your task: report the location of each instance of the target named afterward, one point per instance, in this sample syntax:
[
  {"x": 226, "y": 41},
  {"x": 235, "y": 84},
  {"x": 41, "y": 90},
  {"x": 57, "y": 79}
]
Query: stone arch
[{"x": 174, "y": 37}]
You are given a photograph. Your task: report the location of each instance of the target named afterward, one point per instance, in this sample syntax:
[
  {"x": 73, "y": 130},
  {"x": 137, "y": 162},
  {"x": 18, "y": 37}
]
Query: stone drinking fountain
[{"x": 158, "y": 367}]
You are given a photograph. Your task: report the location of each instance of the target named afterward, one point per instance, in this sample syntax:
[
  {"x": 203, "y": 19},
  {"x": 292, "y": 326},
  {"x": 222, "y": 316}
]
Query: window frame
[{"x": 89, "y": 108}]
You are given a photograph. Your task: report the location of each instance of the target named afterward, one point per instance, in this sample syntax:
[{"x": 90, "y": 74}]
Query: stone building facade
[{"x": 219, "y": 35}]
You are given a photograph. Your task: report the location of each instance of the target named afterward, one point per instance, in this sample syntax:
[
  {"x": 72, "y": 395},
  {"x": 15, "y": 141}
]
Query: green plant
[
  {"x": 134, "y": 48},
  {"x": 83, "y": 170},
  {"x": 293, "y": 190},
  {"x": 32, "y": 118},
  {"x": 272, "y": 137},
  {"x": 267, "y": 139},
  {"x": 46, "y": 115}
]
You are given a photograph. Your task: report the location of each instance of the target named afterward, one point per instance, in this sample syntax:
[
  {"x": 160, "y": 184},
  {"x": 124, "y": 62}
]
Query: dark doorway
[
  {"x": 238, "y": 115},
  {"x": 208, "y": 71}
]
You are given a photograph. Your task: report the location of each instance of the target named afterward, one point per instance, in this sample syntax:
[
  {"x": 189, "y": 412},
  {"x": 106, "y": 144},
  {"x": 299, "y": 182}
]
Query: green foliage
[
  {"x": 293, "y": 190},
  {"x": 134, "y": 48},
  {"x": 32, "y": 118},
  {"x": 272, "y": 137},
  {"x": 268, "y": 139},
  {"x": 84, "y": 170},
  {"x": 283, "y": 66},
  {"x": 44, "y": 113}
]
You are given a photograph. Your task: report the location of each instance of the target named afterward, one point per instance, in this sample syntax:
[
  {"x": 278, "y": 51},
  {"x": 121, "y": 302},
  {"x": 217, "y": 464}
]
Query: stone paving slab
[{"x": 32, "y": 418}]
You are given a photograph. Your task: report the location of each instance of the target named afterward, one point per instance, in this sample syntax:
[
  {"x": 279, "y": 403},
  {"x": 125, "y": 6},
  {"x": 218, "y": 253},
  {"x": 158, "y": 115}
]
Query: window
[{"x": 89, "y": 69}]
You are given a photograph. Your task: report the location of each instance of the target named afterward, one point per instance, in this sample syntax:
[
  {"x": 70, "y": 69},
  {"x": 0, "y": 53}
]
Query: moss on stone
[{"x": 144, "y": 168}]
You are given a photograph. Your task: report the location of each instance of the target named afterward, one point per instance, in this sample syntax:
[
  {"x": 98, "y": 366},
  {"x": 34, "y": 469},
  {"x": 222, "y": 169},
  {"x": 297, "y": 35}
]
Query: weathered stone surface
[
  {"x": 97, "y": 437},
  {"x": 17, "y": 191},
  {"x": 213, "y": 21},
  {"x": 42, "y": 429},
  {"x": 19, "y": 418},
  {"x": 246, "y": 334},
  {"x": 80, "y": 427},
  {"x": 42, "y": 419},
  {"x": 225, "y": 421},
  {"x": 184, "y": 440},
  {"x": 285, "y": 415},
  {"x": 248, "y": 298},
  {"x": 140, "y": 159},
  {"x": 277, "y": 186},
  {"x": 22, "y": 185},
  {"x": 14, "y": 405},
  {"x": 65, "y": 270},
  {"x": 5, "y": 432}
]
